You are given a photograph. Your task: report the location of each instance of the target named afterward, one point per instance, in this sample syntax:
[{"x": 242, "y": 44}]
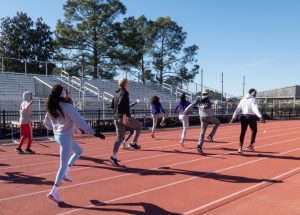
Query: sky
[{"x": 253, "y": 38}]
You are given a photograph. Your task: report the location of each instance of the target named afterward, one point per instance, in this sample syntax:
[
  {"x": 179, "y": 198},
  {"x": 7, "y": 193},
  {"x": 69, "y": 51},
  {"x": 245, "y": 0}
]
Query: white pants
[
  {"x": 185, "y": 124},
  {"x": 155, "y": 117}
]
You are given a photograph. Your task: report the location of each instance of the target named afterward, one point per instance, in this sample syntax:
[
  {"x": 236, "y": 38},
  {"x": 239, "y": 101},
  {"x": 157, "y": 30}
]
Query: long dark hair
[
  {"x": 52, "y": 102},
  {"x": 182, "y": 99},
  {"x": 154, "y": 100}
]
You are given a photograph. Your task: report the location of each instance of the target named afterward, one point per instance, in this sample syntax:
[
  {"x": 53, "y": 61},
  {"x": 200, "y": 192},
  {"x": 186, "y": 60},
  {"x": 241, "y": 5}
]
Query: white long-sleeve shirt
[
  {"x": 65, "y": 125},
  {"x": 248, "y": 106}
]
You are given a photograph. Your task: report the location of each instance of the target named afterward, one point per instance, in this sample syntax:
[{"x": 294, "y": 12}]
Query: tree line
[{"x": 92, "y": 34}]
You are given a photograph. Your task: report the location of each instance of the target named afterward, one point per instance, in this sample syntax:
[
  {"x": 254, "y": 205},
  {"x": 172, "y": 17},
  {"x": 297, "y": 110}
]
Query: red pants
[{"x": 26, "y": 132}]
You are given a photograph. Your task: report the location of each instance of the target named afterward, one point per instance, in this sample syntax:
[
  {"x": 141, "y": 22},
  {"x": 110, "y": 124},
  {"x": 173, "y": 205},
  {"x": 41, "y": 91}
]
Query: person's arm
[
  {"x": 196, "y": 102},
  {"x": 236, "y": 112},
  {"x": 47, "y": 122},
  {"x": 162, "y": 109},
  {"x": 79, "y": 120},
  {"x": 26, "y": 106},
  {"x": 255, "y": 109},
  {"x": 176, "y": 108},
  {"x": 112, "y": 106}
]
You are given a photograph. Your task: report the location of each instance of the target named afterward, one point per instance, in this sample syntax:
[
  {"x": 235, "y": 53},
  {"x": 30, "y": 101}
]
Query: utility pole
[
  {"x": 201, "y": 80},
  {"x": 244, "y": 84},
  {"x": 222, "y": 86}
]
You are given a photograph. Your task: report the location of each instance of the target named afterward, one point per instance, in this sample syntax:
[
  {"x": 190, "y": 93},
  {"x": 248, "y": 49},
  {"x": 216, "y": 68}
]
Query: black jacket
[{"x": 120, "y": 103}]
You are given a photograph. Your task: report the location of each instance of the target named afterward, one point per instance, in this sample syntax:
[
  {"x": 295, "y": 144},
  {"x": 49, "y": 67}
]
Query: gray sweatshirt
[
  {"x": 66, "y": 125},
  {"x": 205, "y": 104},
  {"x": 25, "y": 108}
]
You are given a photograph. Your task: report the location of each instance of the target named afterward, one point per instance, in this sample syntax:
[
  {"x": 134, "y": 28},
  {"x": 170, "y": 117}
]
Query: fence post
[
  {"x": 46, "y": 69},
  {"x": 98, "y": 120},
  {"x": 103, "y": 106},
  {"x": 4, "y": 123},
  {"x": 26, "y": 67}
]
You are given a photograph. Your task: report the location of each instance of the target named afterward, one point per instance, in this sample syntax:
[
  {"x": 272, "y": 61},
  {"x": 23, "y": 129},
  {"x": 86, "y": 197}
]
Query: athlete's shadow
[
  {"x": 219, "y": 176},
  {"x": 86, "y": 158},
  {"x": 21, "y": 178},
  {"x": 148, "y": 208},
  {"x": 3, "y": 164},
  {"x": 269, "y": 156},
  {"x": 178, "y": 152},
  {"x": 235, "y": 150}
]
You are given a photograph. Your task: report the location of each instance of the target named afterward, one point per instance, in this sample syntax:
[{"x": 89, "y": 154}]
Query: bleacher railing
[
  {"x": 167, "y": 87},
  {"x": 180, "y": 91}
]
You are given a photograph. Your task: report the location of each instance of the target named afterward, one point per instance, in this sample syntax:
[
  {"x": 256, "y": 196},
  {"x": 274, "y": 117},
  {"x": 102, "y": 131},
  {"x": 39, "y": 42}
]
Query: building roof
[{"x": 281, "y": 93}]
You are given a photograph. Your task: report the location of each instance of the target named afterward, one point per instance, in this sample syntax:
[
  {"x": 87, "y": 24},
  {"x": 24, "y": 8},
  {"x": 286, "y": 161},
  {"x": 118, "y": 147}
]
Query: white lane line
[
  {"x": 242, "y": 192},
  {"x": 143, "y": 171},
  {"x": 177, "y": 182},
  {"x": 138, "y": 159},
  {"x": 106, "y": 147},
  {"x": 96, "y": 156}
]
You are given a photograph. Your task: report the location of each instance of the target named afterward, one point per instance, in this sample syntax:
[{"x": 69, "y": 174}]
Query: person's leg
[
  {"x": 29, "y": 137},
  {"x": 154, "y": 117},
  {"x": 216, "y": 123},
  {"x": 244, "y": 125},
  {"x": 65, "y": 143},
  {"x": 204, "y": 125},
  {"x": 131, "y": 132},
  {"x": 137, "y": 126},
  {"x": 120, "y": 131},
  {"x": 77, "y": 152},
  {"x": 253, "y": 125},
  {"x": 65, "y": 150},
  {"x": 23, "y": 130},
  {"x": 185, "y": 124}
]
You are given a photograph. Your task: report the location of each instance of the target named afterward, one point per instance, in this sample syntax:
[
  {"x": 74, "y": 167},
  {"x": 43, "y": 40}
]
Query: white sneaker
[
  {"x": 240, "y": 150},
  {"x": 182, "y": 143},
  {"x": 67, "y": 176},
  {"x": 163, "y": 124},
  {"x": 53, "y": 195},
  {"x": 251, "y": 148},
  {"x": 124, "y": 144}
]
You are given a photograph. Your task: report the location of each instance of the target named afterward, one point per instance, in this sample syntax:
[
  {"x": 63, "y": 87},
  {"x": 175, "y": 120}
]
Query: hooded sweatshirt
[
  {"x": 248, "y": 106},
  {"x": 64, "y": 125},
  {"x": 25, "y": 108}
]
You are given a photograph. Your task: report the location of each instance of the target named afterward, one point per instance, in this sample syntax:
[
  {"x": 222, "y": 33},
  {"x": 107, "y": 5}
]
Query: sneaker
[
  {"x": 135, "y": 146},
  {"x": 251, "y": 147},
  {"x": 210, "y": 139},
  {"x": 29, "y": 151},
  {"x": 240, "y": 150},
  {"x": 53, "y": 195},
  {"x": 123, "y": 144},
  {"x": 152, "y": 135},
  {"x": 182, "y": 143},
  {"x": 199, "y": 149},
  {"x": 162, "y": 124},
  {"x": 114, "y": 161},
  {"x": 19, "y": 150},
  {"x": 67, "y": 176}
]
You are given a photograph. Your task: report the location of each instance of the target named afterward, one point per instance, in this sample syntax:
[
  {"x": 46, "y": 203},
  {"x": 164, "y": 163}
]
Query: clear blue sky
[{"x": 256, "y": 38}]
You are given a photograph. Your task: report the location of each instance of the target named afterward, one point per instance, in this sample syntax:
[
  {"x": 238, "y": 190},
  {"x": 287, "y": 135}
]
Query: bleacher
[{"x": 12, "y": 86}]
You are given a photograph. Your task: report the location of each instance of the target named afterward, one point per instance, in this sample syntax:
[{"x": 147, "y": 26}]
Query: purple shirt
[
  {"x": 181, "y": 107},
  {"x": 157, "y": 108}
]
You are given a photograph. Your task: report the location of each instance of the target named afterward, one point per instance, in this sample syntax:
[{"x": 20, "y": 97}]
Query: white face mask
[{"x": 63, "y": 94}]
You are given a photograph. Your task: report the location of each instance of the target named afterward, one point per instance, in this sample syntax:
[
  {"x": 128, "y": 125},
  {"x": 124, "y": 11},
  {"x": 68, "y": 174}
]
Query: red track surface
[{"x": 163, "y": 178}]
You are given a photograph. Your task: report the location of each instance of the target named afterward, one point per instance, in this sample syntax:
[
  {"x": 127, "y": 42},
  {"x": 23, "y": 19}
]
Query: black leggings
[{"x": 252, "y": 122}]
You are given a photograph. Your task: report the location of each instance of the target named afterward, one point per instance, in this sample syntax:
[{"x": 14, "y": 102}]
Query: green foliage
[
  {"x": 90, "y": 29},
  {"x": 169, "y": 56},
  {"x": 23, "y": 38}
]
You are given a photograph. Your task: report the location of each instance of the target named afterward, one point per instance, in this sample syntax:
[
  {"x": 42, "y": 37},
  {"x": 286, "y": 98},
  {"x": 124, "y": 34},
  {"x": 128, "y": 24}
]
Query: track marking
[
  {"x": 177, "y": 182},
  {"x": 126, "y": 152},
  {"x": 242, "y": 192},
  {"x": 128, "y": 174}
]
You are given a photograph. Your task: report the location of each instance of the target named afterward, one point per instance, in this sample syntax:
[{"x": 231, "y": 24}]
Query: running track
[{"x": 163, "y": 178}]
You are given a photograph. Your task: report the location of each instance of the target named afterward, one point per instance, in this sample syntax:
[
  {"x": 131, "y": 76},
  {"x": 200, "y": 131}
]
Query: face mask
[{"x": 63, "y": 94}]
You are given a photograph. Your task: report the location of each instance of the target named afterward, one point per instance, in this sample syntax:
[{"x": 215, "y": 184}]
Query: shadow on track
[{"x": 148, "y": 208}]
